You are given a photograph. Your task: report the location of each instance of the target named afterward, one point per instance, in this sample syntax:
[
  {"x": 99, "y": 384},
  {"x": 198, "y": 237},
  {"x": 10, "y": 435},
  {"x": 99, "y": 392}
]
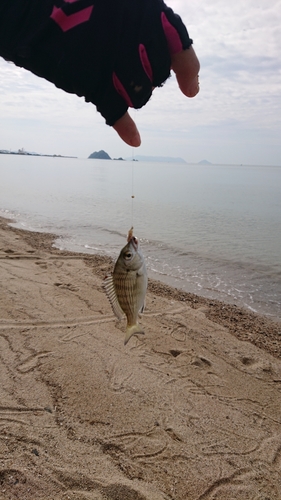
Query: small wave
[
  {"x": 111, "y": 231},
  {"x": 89, "y": 247},
  {"x": 159, "y": 272},
  {"x": 251, "y": 308}
]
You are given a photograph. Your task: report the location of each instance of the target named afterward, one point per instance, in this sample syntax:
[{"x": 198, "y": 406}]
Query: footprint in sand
[
  {"x": 41, "y": 264},
  {"x": 201, "y": 362},
  {"x": 32, "y": 362},
  {"x": 66, "y": 286}
]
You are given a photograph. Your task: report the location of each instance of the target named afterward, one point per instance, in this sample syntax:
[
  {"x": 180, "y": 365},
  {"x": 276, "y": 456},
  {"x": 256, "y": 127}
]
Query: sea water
[{"x": 214, "y": 230}]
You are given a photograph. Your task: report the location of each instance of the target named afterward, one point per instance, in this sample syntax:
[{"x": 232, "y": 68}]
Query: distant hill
[
  {"x": 160, "y": 159},
  {"x": 204, "y": 162},
  {"x": 100, "y": 155}
]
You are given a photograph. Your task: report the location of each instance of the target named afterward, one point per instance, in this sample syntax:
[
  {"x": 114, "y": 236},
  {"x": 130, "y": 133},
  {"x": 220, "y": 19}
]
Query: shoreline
[
  {"x": 189, "y": 410},
  {"x": 246, "y": 325}
]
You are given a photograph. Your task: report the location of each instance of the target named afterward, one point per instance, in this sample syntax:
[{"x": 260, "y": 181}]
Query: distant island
[
  {"x": 204, "y": 162},
  {"x": 100, "y": 155},
  {"x": 22, "y": 152}
]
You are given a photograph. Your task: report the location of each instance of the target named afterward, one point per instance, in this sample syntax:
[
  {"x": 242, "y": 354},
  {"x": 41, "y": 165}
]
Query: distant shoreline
[
  {"x": 21, "y": 153},
  {"x": 200, "y": 163}
]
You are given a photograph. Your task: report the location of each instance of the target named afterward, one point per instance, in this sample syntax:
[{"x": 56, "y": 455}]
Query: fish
[{"x": 126, "y": 286}]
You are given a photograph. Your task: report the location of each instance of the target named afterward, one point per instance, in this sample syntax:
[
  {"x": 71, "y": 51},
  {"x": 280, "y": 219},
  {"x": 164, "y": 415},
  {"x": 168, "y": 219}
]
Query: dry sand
[{"x": 191, "y": 410}]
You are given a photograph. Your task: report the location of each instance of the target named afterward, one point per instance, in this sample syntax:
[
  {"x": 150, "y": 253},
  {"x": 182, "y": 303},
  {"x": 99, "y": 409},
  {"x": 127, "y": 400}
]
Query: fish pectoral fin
[
  {"x": 141, "y": 311},
  {"x": 142, "y": 308},
  {"x": 112, "y": 297},
  {"x": 132, "y": 330}
]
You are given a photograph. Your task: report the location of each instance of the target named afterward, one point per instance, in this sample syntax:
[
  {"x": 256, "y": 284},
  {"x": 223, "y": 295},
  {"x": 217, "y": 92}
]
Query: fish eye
[{"x": 128, "y": 255}]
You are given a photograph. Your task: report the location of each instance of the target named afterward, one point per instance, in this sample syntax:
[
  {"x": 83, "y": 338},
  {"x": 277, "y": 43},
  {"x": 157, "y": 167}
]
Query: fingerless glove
[{"x": 112, "y": 52}]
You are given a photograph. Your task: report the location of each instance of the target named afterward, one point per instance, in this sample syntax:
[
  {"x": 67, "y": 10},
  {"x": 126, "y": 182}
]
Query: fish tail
[{"x": 132, "y": 330}]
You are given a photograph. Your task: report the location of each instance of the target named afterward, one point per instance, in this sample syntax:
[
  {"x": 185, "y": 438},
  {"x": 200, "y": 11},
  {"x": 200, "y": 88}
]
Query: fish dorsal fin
[{"x": 112, "y": 297}]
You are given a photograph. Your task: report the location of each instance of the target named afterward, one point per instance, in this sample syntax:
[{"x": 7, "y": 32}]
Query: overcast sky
[{"x": 236, "y": 117}]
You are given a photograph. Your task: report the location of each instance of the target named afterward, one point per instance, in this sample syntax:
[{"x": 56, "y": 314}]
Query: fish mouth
[{"x": 135, "y": 242}]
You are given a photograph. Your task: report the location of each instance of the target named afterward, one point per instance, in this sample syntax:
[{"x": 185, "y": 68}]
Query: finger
[
  {"x": 127, "y": 130},
  {"x": 186, "y": 66}
]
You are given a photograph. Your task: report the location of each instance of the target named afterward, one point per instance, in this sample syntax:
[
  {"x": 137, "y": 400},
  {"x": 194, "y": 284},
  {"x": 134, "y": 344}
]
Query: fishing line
[
  {"x": 132, "y": 189},
  {"x": 133, "y": 180}
]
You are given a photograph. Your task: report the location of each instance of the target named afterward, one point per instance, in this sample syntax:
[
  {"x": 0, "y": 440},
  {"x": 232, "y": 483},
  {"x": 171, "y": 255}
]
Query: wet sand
[{"x": 190, "y": 410}]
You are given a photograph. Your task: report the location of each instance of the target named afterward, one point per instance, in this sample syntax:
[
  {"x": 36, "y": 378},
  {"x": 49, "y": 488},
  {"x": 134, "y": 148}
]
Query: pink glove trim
[
  {"x": 68, "y": 22},
  {"x": 173, "y": 39},
  {"x": 145, "y": 61},
  {"x": 121, "y": 90}
]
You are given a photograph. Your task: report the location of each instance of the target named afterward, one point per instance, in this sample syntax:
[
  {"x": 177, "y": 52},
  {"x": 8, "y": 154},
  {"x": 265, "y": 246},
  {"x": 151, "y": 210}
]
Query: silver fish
[{"x": 126, "y": 287}]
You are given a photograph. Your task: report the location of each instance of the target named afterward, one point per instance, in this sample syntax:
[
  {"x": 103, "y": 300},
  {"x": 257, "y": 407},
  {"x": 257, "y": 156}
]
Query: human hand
[
  {"x": 112, "y": 52},
  {"x": 186, "y": 66}
]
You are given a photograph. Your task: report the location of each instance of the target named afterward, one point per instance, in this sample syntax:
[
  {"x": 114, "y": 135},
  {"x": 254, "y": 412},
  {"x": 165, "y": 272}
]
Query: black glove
[{"x": 112, "y": 52}]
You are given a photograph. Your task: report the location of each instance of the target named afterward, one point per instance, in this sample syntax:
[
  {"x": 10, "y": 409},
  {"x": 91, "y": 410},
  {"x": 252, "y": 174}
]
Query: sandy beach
[{"x": 189, "y": 411}]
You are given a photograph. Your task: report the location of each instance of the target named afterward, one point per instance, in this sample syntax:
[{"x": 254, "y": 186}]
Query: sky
[{"x": 235, "y": 118}]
